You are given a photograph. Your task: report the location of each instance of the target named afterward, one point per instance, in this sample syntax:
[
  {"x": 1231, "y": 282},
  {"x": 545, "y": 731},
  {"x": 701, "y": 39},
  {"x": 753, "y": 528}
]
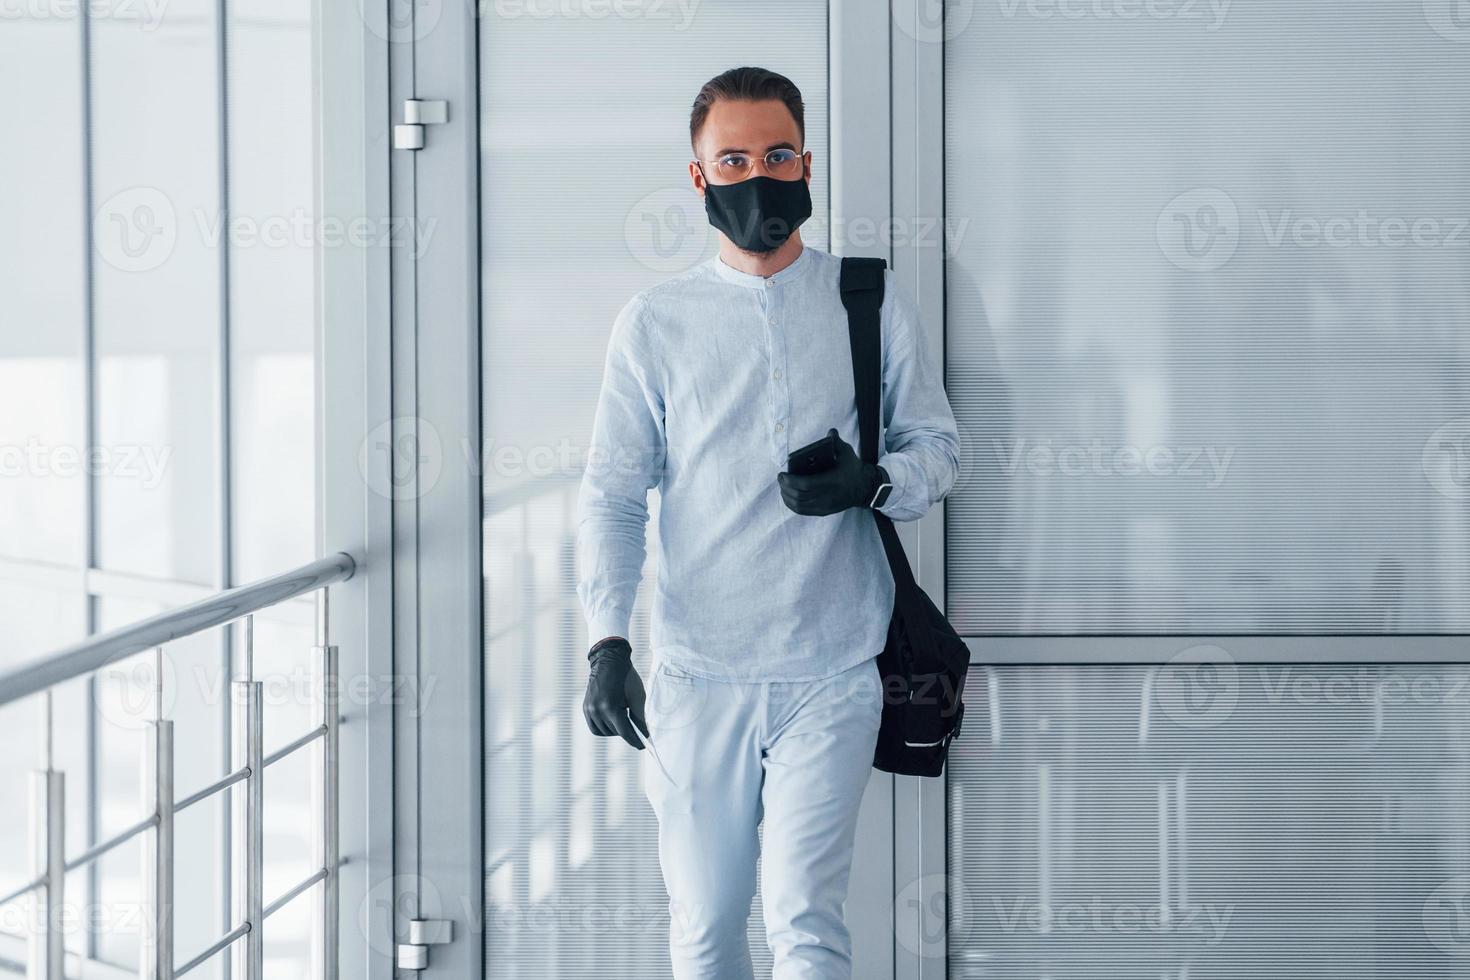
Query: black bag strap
[{"x": 861, "y": 285}]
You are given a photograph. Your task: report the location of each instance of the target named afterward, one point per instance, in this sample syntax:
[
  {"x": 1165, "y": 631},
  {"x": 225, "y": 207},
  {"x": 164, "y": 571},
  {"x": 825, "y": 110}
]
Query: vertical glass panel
[
  {"x": 272, "y": 237},
  {"x": 200, "y": 912},
  {"x": 291, "y": 945},
  {"x": 120, "y": 889},
  {"x": 43, "y": 296},
  {"x": 156, "y": 270},
  {"x": 1209, "y": 317},
  {"x": 1211, "y": 822},
  {"x": 585, "y": 200}
]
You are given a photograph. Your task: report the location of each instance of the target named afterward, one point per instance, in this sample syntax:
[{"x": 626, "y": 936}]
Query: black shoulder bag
[{"x": 924, "y": 661}]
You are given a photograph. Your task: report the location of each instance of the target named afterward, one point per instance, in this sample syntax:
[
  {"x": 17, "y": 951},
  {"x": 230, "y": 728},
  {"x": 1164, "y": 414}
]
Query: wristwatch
[{"x": 884, "y": 488}]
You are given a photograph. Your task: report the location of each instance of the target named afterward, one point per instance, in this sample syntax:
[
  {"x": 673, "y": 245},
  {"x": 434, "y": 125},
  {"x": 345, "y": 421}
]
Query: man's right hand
[{"x": 615, "y": 696}]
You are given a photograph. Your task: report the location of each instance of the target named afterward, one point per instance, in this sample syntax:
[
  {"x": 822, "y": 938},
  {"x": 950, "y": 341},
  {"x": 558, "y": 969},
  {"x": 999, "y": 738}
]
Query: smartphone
[{"x": 816, "y": 457}]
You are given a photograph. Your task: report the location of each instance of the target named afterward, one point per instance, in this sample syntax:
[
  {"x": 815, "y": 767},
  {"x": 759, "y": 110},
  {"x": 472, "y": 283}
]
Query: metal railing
[{"x": 45, "y": 892}]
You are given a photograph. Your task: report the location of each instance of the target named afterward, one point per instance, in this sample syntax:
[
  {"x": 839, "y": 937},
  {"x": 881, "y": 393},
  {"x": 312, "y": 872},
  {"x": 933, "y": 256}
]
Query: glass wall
[
  {"x": 572, "y": 886},
  {"x": 157, "y": 417},
  {"x": 1208, "y": 299},
  {"x": 1208, "y": 342},
  {"x": 1294, "y": 821}
]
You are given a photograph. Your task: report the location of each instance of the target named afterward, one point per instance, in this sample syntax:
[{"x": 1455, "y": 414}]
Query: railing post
[
  {"x": 156, "y": 956},
  {"x": 47, "y": 942},
  {"x": 328, "y": 841},
  {"x": 247, "y": 857}
]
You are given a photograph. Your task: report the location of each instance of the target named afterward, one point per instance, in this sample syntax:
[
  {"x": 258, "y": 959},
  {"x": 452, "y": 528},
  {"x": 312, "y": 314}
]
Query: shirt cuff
[{"x": 603, "y": 625}]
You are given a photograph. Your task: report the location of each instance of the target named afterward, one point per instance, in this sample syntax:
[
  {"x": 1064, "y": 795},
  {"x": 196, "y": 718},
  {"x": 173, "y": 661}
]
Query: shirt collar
[{"x": 792, "y": 272}]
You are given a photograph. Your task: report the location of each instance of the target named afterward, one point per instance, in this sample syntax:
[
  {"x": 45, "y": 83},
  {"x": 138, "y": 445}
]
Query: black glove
[
  {"x": 851, "y": 483},
  {"x": 614, "y": 692}
]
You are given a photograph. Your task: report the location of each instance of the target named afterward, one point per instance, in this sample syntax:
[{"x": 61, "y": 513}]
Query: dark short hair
[{"x": 746, "y": 85}]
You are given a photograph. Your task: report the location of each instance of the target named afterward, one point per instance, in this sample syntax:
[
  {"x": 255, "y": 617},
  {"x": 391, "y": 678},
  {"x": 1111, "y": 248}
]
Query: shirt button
[
  {"x": 779, "y": 427},
  {"x": 776, "y": 374}
]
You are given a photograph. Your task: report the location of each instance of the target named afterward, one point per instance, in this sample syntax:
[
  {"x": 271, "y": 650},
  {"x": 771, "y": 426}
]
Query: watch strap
[{"x": 883, "y": 487}]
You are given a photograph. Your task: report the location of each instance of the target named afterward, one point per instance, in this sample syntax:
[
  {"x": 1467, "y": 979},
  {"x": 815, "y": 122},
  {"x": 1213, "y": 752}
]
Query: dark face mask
[{"x": 759, "y": 213}]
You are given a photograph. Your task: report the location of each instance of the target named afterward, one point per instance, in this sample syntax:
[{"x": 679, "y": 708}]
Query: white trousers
[{"x": 726, "y": 756}]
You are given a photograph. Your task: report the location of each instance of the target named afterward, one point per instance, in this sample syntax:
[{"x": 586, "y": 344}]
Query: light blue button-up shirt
[{"x": 711, "y": 379}]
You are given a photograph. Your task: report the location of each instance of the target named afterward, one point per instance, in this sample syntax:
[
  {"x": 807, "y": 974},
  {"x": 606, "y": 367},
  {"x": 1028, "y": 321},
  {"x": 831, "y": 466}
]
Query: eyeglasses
[{"x": 783, "y": 164}]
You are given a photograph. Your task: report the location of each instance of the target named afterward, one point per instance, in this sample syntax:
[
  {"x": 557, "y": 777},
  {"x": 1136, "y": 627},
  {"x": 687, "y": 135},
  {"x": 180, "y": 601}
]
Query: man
[{"x": 773, "y": 594}]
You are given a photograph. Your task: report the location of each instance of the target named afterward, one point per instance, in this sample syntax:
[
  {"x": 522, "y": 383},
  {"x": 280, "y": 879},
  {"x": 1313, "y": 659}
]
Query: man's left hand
[{"x": 851, "y": 483}]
